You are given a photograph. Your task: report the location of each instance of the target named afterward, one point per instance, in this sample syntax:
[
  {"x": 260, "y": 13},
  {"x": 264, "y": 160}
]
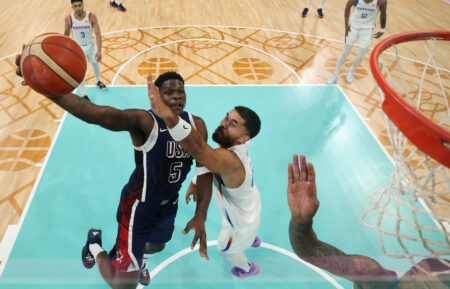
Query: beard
[{"x": 219, "y": 138}]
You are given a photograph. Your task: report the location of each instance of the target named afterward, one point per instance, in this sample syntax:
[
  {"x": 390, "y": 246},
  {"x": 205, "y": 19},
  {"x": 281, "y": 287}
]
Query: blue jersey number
[
  {"x": 364, "y": 15},
  {"x": 175, "y": 172},
  {"x": 83, "y": 35}
]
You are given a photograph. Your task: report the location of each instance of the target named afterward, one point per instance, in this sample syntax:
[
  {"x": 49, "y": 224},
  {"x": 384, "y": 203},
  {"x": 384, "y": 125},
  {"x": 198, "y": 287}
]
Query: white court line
[
  {"x": 12, "y": 237},
  {"x": 422, "y": 202},
  {"x": 188, "y": 250},
  {"x": 250, "y": 28},
  {"x": 211, "y": 40}
]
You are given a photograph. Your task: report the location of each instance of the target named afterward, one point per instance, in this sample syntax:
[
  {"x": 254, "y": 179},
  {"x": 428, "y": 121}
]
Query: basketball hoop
[{"x": 421, "y": 150}]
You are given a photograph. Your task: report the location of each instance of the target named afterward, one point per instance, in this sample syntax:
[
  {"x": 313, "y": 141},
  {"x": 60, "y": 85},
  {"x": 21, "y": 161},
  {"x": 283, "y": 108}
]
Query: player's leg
[
  {"x": 93, "y": 253},
  {"x": 305, "y": 11},
  {"x": 150, "y": 250},
  {"x": 364, "y": 38},
  {"x": 349, "y": 40},
  {"x": 231, "y": 244},
  {"x": 319, "y": 10},
  {"x": 159, "y": 224},
  {"x": 90, "y": 55}
]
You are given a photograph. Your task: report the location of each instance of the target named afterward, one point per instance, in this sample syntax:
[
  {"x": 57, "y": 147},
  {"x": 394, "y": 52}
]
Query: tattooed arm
[{"x": 303, "y": 203}]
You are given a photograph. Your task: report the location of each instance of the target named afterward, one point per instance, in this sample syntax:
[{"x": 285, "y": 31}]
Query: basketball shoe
[
  {"x": 350, "y": 74},
  {"x": 319, "y": 13},
  {"x": 113, "y": 4},
  {"x": 144, "y": 276},
  {"x": 84, "y": 95},
  {"x": 256, "y": 242},
  {"x": 305, "y": 12},
  {"x": 238, "y": 272},
  {"x": 332, "y": 79},
  {"x": 94, "y": 236},
  {"x": 101, "y": 85},
  {"x": 121, "y": 8}
]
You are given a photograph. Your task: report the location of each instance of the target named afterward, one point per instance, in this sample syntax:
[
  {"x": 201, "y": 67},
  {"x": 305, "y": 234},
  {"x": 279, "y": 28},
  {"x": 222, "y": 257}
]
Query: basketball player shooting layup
[
  {"x": 364, "y": 271},
  {"x": 361, "y": 28},
  {"x": 234, "y": 189},
  {"x": 149, "y": 201},
  {"x": 81, "y": 23}
]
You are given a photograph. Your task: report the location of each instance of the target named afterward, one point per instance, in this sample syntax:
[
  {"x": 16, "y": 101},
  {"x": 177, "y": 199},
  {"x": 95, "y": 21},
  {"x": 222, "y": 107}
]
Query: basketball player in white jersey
[
  {"x": 82, "y": 23},
  {"x": 361, "y": 27},
  {"x": 319, "y": 10},
  {"x": 234, "y": 189}
]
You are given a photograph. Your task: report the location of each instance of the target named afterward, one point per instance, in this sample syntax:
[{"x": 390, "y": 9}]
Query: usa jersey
[
  {"x": 82, "y": 30},
  {"x": 239, "y": 206},
  {"x": 161, "y": 165},
  {"x": 364, "y": 15}
]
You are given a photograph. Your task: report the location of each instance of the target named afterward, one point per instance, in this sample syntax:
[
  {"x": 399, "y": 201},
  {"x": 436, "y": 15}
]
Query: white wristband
[
  {"x": 201, "y": 170},
  {"x": 181, "y": 130},
  {"x": 382, "y": 30},
  {"x": 194, "y": 181}
]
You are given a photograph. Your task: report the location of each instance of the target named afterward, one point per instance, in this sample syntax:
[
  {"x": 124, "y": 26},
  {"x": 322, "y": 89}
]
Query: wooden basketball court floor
[{"x": 209, "y": 43}]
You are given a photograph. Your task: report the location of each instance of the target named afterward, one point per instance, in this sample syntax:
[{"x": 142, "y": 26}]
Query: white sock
[
  {"x": 321, "y": 4},
  {"x": 360, "y": 57},
  {"x": 96, "y": 71},
  {"x": 307, "y": 4},
  {"x": 95, "y": 249},
  {"x": 239, "y": 260},
  {"x": 341, "y": 60}
]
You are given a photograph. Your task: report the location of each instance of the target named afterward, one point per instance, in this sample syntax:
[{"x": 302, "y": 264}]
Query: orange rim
[{"x": 428, "y": 136}]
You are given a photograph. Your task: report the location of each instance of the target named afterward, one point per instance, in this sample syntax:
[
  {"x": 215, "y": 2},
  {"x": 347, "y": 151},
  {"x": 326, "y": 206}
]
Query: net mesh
[{"x": 419, "y": 186}]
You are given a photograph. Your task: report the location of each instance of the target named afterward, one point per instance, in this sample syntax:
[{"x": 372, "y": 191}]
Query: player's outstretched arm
[
  {"x": 105, "y": 116},
  {"x": 348, "y": 8},
  {"x": 383, "y": 9},
  {"x": 203, "y": 192},
  {"x": 67, "y": 26},
  {"x": 303, "y": 204},
  {"x": 98, "y": 36},
  {"x": 221, "y": 161}
]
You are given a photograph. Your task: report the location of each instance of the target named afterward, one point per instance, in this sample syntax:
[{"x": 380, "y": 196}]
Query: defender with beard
[{"x": 234, "y": 189}]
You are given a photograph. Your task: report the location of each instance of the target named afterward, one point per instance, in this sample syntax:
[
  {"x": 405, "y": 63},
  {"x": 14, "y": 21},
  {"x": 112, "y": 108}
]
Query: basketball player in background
[
  {"x": 81, "y": 23},
  {"x": 364, "y": 271},
  {"x": 149, "y": 201},
  {"x": 319, "y": 10},
  {"x": 360, "y": 29},
  {"x": 234, "y": 189},
  {"x": 117, "y": 5}
]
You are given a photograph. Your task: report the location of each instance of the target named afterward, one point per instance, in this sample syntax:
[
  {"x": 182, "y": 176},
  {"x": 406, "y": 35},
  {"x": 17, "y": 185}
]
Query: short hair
[
  {"x": 252, "y": 121},
  {"x": 72, "y": 1},
  {"x": 166, "y": 76}
]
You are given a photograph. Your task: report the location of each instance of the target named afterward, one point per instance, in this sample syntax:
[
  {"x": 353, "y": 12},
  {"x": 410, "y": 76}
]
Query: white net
[{"x": 412, "y": 211}]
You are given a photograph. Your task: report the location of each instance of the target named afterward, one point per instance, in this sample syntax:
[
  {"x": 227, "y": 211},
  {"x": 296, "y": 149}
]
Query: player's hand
[
  {"x": 192, "y": 190},
  {"x": 301, "y": 191},
  {"x": 98, "y": 56},
  {"x": 158, "y": 106},
  {"x": 378, "y": 34},
  {"x": 198, "y": 224},
  {"x": 347, "y": 31},
  {"x": 18, "y": 72}
]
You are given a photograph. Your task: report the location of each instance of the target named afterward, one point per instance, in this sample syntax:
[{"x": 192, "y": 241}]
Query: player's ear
[{"x": 243, "y": 139}]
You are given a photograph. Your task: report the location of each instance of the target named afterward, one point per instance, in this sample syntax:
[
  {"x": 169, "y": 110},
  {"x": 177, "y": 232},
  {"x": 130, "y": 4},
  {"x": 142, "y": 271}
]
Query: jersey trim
[
  {"x": 152, "y": 138},
  {"x": 134, "y": 265}
]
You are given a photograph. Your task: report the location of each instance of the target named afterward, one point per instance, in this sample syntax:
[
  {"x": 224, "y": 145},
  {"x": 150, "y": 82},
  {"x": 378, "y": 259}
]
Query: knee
[{"x": 152, "y": 248}]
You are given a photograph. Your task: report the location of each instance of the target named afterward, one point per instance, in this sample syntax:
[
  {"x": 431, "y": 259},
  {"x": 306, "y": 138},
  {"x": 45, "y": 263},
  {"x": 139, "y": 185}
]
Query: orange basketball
[{"x": 53, "y": 64}]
